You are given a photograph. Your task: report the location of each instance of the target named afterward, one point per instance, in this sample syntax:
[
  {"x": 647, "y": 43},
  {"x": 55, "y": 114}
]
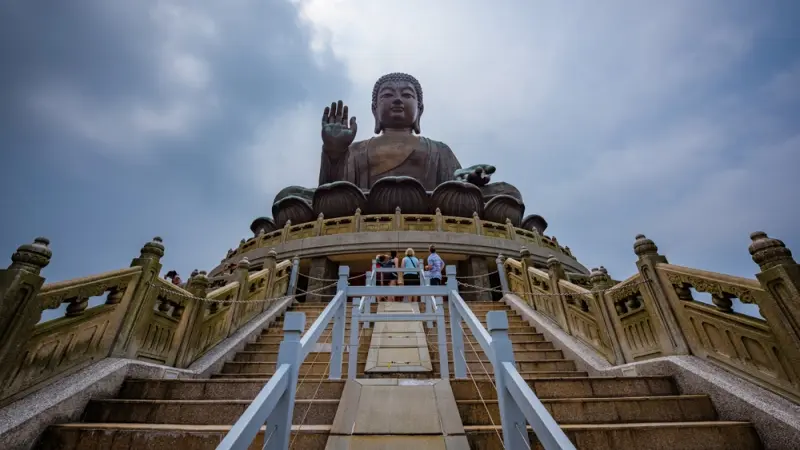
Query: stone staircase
[{"x": 596, "y": 413}]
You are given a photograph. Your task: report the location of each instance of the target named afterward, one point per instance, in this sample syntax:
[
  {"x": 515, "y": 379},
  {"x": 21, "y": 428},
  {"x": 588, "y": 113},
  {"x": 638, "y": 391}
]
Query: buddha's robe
[{"x": 430, "y": 162}]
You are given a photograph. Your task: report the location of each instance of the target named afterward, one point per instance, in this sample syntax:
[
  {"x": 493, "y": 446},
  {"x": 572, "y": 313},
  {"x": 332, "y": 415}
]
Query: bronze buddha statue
[
  {"x": 398, "y": 154},
  {"x": 398, "y": 149}
]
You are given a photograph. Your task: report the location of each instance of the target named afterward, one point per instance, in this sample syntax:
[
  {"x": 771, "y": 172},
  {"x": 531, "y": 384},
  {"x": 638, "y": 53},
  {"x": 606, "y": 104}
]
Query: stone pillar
[
  {"x": 19, "y": 310},
  {"x": 478, "y": 273},
  {"x": 270, "y": 261},
  {"x": 670, "y": 336},
  {"x": 322, "y": 269},
  {"x": 780, "y": 277}
]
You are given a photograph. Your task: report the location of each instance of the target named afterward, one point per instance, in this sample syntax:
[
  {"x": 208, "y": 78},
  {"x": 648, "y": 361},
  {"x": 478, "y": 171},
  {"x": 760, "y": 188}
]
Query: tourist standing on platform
[
  {"x": 434, "y": 267},
  {"x": 411, "y": 278}
]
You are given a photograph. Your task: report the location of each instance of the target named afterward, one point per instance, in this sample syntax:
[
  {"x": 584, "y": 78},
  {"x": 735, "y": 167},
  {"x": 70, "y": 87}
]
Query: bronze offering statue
[{"x": 398, "y": 165}]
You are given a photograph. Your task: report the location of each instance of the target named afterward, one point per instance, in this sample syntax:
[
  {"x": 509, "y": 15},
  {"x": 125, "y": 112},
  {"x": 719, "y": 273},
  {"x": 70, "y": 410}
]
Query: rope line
[{"x": 231, "y": 301}]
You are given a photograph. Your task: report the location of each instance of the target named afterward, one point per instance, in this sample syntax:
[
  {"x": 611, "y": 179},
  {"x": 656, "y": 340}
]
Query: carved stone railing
[
  {"x": 359, "y": 223},
  {"x": 142, "y": 316},
  {"x": 653, "y": 313}
]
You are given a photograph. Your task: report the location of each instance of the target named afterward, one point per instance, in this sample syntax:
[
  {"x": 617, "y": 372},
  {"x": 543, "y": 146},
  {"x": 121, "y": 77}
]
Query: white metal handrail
[{"x": 518, "y": 404}]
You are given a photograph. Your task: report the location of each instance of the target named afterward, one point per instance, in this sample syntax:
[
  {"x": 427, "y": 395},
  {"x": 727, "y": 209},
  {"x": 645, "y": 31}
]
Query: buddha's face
[{"x": 397, "y": 106}]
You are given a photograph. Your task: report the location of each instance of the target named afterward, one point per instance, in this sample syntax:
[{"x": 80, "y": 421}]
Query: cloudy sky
[{"x": 120, "y": 121}]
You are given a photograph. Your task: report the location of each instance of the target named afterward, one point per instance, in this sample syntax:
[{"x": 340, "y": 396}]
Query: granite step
[
  {"x": 570, "y": 387},
  {"x": 309, "y": 367},
  {"x": 677, "y": 408},
  {"x": 222, "y": 389},
  {"x": 714, "y": 435},
  {"x": 125, "y": 436},
  {"x": 198, "y": 412},
  {"x": 519, "y": 355}
]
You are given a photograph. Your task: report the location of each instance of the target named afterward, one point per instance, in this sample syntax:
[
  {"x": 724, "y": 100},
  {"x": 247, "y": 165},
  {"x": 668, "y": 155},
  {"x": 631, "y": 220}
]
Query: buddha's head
[{"x": 397, "y": 103}]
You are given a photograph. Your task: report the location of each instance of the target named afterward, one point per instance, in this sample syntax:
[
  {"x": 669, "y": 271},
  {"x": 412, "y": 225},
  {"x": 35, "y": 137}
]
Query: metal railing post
[
  {"x": 290, "y": 351},
  {"x": 352, "y": 349},
  {"x": 370, "y": 281},
  {"x": 456, "y": 332},
  {"x": 339, "y": 318},
  {"x": 429, "y": 300},
  {"x": 441, "y": 337},
  {"x": 515, "y": 427},
  {"x": 501, "y": 272},
  {"x": 293, "y": 276}
]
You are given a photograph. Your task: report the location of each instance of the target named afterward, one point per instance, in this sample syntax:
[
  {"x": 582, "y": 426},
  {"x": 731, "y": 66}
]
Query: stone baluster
[
  {"x": 605, "y": 312},
  {"x": 780, "y": 277},
  {"x": 137, "y": 318},
  {"x": 187, "y": 335},
  {"x": 19, "y": 308},
  {"x": 656, "y": 294},
  {"x": 239, "y": 310}
]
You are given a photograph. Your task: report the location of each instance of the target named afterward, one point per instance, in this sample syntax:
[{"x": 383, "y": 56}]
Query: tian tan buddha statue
[{"x": 396, "y": 168}]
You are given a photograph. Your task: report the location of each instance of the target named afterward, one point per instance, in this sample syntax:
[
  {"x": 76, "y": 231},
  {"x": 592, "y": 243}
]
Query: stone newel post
[
  {"x": 557, "y": 273},
  {"x": 243, "y": 277},
  {"x": 670, "y": 336},
  {"x": 19, "y": 310},
  {"x": 142, "y": 302},
  {"x": 600, "y": 282},
  {"x": 780, "y": 277},
  {"x": 186, "y": 337}
]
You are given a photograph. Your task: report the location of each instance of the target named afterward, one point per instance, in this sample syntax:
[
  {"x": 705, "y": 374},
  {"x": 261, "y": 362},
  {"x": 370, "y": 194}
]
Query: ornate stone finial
[
  {"x": 243, "y": 264},
  {"x": 599, "y": 278},
  {"x": 198, "y": 283},
  {"x": 32, "y": 257},
  {"x": 358, "y": 211},
  {"x": 397, "y": 210},
  {"x": 272, "y": 253},
  {"x": 768, "y": 252},
  {"x": 194, "y": 273},
  {"x": 475, "y": 215},
  {"x": 242, "y": 241},
  {"x": 524, "y": 253},
  {"x": 321, "y": 216},
  {"x": 153, "y": 249},
  {"x": 644, "y": 246}
]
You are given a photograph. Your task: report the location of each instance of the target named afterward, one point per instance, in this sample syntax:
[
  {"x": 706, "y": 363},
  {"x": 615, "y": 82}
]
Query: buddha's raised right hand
[{"x": 337, "y": 134}]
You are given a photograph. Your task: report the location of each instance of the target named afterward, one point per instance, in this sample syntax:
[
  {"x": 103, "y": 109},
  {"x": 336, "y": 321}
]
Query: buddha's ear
[
  {"x": 415, "y": 126},
  {"x": 378, "y": 127}
]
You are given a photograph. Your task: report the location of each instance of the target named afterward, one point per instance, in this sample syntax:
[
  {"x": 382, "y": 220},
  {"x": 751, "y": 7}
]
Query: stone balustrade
[
  {"x": 359, "y": 223},
  {"x": 653, "y": 313},
  {"x": 142, "y": 316}
]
